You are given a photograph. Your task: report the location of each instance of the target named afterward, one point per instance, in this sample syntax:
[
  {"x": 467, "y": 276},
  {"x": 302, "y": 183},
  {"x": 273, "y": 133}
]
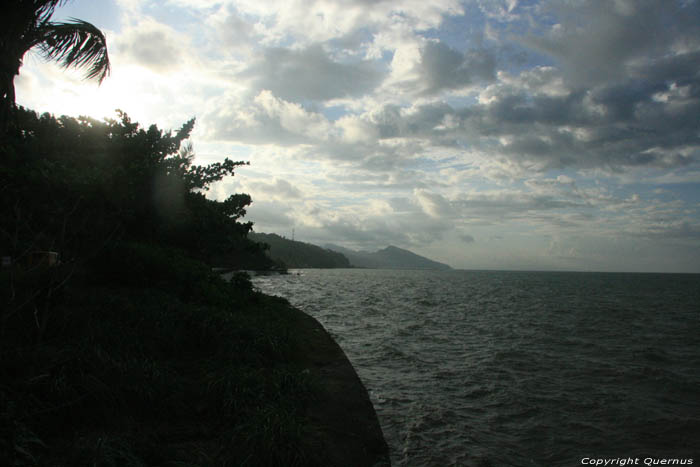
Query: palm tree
[{"x": 25, "y": 25}]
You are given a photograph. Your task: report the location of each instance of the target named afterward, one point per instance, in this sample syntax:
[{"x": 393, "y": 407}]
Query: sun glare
[{"x": 46, "y": 87}]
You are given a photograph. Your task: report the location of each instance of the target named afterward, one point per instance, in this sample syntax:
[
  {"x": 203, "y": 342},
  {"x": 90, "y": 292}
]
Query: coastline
[
  {"x": 344, "y": 423},
  {"x": 192, "y": 370}
]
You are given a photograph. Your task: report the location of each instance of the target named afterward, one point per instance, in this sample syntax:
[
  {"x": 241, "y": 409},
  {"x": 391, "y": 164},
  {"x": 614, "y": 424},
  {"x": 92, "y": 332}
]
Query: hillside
[
  {"x": 299, "y": 254},
  {"x": 119, "y": 344},
  {"x": 390, "y": 257}
]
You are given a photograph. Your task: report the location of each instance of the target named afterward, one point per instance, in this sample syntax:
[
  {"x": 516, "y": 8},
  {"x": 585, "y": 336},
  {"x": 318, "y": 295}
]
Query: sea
[{"x": 501, "y": 368}]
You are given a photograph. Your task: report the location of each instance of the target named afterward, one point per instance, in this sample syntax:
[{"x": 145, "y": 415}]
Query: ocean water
[{"x": 481, "y": 368}]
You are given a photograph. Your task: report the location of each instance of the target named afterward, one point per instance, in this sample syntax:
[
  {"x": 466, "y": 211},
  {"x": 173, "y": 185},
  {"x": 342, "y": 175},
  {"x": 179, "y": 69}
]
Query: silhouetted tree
[
  {"x": 25, "y": 24},
  {"x": 73, "y": 185}
]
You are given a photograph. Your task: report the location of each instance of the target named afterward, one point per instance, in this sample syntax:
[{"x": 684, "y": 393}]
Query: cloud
[
  {"x": 365, "y": 224},
  {"x": 670, "y": 221},
  {"x": 519, "y": 119},
  {"x": 153, "y": 45},
  {"x": 443, "y": 68},
  {"x": 270, "y": 217},
  {"x": 598, "y": 41},
  {"x": 466, "y": 238},
  {"x": 547, "y": 125},
  {"x": 296, "y": 75},
  {"x": 433, "y": 204},
  {"x": 506, "y": 205},
  {"x": 613, "y": 127},
  {"x": 538, "y": 118},
  {"x": 321, "y": 20},
  {"x": 264, "y": 119},
  {"x": 676, "y": 229},
  {"x": 356, "y": 129},
  {"x": 279, "y": 189},
  {"x": 234, "y": 29}
]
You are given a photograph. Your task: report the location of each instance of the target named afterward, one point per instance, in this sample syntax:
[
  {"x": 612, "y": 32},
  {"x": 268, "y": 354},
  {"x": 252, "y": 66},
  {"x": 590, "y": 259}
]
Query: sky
[{"x": 485, "y": 134}]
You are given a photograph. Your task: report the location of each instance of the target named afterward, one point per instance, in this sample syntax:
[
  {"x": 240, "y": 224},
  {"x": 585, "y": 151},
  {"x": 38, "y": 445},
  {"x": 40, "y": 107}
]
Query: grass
[{"x": 144, "y": 357}]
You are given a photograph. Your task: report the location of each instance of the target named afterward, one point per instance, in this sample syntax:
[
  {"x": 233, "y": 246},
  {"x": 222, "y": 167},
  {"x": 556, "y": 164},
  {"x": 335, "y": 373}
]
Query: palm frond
[
  {"x": 43, "y": 9},
  {"x": 76, "y": 44},
  {"x": 20, "y": 21}
]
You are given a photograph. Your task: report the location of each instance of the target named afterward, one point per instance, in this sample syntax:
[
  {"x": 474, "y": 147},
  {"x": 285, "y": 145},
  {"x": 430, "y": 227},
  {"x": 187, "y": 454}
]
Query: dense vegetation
[
  {"x": 130, "y": 351},
  {"x": 78, "y": 186},
  {"x": 119, "y": 345},
  {"x": 293, "y": 254}
]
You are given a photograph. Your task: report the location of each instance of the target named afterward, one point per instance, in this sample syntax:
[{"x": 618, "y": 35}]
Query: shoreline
[{"x": 343, "y": 417}]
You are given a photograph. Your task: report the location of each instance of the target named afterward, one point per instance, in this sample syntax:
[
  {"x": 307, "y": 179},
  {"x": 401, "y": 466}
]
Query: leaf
[{"x": 77, "y": 44}]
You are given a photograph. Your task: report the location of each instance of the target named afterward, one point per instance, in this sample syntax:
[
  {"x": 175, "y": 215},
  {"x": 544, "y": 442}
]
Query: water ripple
[{"x": 523, "y": 369}]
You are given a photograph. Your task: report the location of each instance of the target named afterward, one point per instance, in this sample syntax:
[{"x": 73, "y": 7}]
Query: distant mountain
[
  {"x": 390, "y": 257},
  {"x": 299, "y": 254}
]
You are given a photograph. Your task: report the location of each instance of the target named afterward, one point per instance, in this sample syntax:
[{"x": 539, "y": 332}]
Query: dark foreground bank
[
  {"x": 119, "y": 346},
  {"x": 142, "y": 356},
  {"x": 344, "y": 425}
]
